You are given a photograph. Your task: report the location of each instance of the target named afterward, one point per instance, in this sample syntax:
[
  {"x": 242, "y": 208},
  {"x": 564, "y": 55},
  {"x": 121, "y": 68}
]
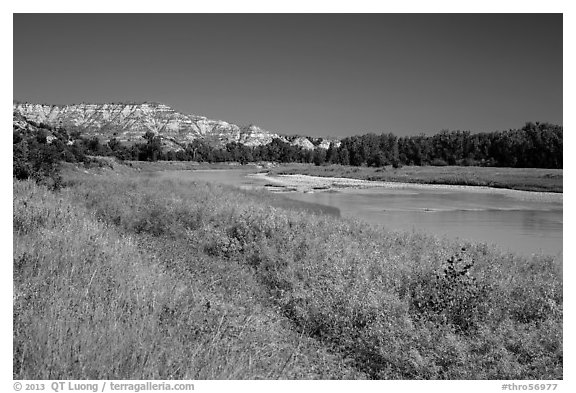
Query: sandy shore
[{"x": 306, "y": 183}]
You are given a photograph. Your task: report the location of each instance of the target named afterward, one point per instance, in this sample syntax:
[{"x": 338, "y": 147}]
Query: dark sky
[{"x": 313, "y": 74}]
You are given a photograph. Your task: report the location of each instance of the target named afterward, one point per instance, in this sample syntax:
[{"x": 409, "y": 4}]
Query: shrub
[
  {"x": 452, "y": 296},
  {"x": 36, "y": 161},
  {"x": 438, "y": 162}
]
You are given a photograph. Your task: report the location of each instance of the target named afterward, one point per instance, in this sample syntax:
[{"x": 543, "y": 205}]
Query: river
[{"x": 504, "y": 220}]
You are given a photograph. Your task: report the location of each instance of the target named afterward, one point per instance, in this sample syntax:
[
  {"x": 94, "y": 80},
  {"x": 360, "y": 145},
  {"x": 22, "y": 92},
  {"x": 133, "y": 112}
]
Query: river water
[{"x": 505, "y": 220}]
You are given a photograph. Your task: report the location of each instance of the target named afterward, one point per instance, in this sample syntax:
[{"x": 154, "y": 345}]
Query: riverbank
[
  {"x": 205, "y": 281},
  {"x": 308, "y": 183},
  {"x": 522, "y": 179}
]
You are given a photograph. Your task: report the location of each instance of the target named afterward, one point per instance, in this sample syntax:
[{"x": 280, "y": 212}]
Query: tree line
[{"x": 536, "y": 145}]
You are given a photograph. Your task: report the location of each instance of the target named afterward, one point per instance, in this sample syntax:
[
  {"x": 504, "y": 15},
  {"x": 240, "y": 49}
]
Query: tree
[
  {"x": 153, "y": 148},
  {"x": 113, "y": 144},
  {"x": 344, "y": 156},
  {"x": 319, "y": 156},
  {"x": 332, "y": 153}
]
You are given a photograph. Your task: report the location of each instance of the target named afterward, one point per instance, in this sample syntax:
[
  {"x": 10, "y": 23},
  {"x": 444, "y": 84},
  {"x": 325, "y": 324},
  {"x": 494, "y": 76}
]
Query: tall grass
[
  {"x": 92, "y": 303},
  {"x": 388, "y": 305}
]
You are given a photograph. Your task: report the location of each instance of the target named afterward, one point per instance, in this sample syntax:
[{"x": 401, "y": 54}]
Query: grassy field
[
  {"x": 528, "y": 179},
  {"x": 137, "y": 276}
]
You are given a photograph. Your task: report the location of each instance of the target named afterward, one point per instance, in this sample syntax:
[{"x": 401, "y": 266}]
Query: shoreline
[{"x": 308, "y": 184}]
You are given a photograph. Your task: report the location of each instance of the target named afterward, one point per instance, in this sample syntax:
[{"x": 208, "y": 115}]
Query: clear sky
[{"x": 312, "y": 74}]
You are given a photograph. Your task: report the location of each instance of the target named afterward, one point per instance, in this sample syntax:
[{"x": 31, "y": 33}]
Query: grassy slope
[
  {"x": 94, "y": 302},
  {"x": 528, "y": 179},
  {"x": 176, "y": 279}
]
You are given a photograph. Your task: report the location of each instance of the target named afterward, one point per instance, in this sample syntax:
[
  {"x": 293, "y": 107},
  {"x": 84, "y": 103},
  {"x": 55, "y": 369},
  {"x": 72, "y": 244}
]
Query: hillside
[{"x": 129, "y": 122}]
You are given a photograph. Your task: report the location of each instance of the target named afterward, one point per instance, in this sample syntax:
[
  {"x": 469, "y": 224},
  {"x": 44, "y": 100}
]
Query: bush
[
  {"x": 438, "y": 162},
  {"x": 36, "y": 161},
  {"x": 452, "y": 296}
]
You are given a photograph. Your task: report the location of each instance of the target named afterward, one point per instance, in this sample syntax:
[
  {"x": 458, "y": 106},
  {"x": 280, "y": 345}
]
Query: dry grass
[
  {"x": 91, "y": 303},
  {"x": 177, "y": 279}
]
